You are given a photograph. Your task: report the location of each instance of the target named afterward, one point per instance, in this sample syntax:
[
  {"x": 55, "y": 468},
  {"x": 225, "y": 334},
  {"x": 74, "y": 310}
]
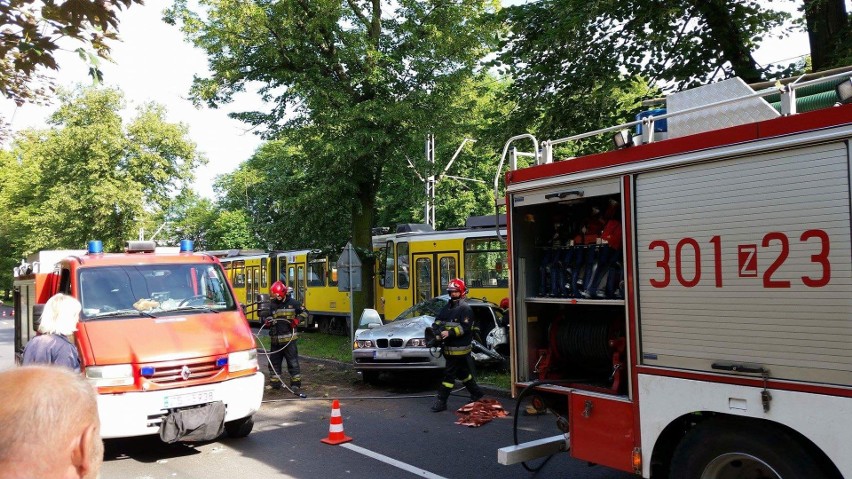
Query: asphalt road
[
  {"x": 396, "y": 437},
  {"x": 393, "y": 435}
]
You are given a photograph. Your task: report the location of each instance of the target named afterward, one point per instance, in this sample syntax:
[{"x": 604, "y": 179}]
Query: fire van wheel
[
  {"x": 725, "y": 449},
  {"x": 240, "y": 427}
]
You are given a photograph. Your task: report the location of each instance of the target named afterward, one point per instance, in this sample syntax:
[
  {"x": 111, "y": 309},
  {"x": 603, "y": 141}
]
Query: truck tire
[
  {"x": 239, "y": 427},
  {"x": 745, "y": 449}
]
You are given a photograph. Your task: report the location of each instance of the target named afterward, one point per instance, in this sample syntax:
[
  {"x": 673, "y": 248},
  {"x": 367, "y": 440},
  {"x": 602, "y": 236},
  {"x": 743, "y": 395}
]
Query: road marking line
[{"x": 393, "y": 462}]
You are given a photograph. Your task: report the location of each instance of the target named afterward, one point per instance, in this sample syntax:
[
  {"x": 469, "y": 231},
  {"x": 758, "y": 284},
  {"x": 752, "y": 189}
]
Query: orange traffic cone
[{"x": 335, "y": 427}]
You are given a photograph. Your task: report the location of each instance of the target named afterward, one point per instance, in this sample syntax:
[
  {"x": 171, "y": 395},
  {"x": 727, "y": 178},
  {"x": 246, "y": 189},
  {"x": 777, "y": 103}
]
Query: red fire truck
[
  {"x": 161, "y": 337},
  {"x": 683, "y": 302}
]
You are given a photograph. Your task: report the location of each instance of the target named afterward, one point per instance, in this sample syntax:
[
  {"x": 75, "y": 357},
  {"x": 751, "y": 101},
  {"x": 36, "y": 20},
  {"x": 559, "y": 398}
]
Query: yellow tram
[
  {"x": 415, "y": 263},
  {"x": 313, "y": 279}
]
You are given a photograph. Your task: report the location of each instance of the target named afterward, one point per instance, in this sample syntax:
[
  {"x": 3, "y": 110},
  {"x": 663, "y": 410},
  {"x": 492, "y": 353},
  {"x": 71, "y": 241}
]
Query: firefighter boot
[
  {"x": 295, "y": 383},
  {"x": 473, "y": 388},
  {"x": 275, "y": 382},
  {"x": 440, "y": 403}
]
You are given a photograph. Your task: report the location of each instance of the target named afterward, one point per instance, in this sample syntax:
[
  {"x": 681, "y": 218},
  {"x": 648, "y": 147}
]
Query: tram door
[
  {"x": 432, "y": 274},
  {"x": 296, "y": 280},
  {"x": 252, "y": 289}
]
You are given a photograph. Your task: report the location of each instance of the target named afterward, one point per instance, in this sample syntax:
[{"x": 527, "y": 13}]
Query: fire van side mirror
[{"x": 38, "y": 309}]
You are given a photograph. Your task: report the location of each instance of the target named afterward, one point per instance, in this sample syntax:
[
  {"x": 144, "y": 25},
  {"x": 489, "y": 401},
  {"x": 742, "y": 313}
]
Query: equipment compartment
[
  {"x": 570, "y": 265},
  {"x": 573, "y": 247}
]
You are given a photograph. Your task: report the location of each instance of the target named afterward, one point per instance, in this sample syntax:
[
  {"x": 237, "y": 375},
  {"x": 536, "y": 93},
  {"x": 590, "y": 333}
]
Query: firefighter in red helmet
[
  {"x": 456, "y": 324},
  {"x": 286, "y": 314}
]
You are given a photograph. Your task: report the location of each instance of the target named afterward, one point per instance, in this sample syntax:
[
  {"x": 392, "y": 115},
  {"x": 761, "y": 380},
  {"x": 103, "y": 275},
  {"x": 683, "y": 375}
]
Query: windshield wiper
[
  {"x": 122, "y": 312},
  {"x": 193, "y": 307}
]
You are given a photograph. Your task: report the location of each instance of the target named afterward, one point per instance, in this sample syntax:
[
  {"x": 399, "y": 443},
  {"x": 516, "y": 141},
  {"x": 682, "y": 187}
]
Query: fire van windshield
[{"x": 153, "y": 290}]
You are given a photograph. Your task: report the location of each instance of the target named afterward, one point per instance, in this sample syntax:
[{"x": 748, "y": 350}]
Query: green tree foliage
[
  {"x": 90, "y": 175},
  {"x": 684, "y": 42},
  {"x": 477, "y": 112},
  {"x": 282, "y": 209},
  {"x": 356, "y": 76},
  {"x": 230, "y": 230},
  {"x": 31, "y": 34},
  {"x": 578, "y": 66}
]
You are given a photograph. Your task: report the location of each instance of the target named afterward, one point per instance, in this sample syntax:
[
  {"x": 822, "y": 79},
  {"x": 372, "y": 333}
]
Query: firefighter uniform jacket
[
  {"x": 457, "y": 319},
  {"x": 286, "y": 315}
]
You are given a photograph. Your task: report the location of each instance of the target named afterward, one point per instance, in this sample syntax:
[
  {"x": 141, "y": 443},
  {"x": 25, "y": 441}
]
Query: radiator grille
[{"x": 174, "y": 372}]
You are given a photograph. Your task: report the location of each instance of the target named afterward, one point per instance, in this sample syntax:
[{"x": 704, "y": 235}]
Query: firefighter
[
  {"x": 285, "y": 315},
  {"x": 455, "y": 323}
]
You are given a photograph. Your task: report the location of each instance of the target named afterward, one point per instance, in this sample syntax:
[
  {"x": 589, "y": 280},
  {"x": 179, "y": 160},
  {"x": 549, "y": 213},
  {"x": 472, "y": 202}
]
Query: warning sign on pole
[{"x": 349, "y": 270}]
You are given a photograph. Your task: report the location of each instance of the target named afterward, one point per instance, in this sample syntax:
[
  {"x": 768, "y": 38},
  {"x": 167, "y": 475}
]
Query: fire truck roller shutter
[{"x": 746, "y": 260}]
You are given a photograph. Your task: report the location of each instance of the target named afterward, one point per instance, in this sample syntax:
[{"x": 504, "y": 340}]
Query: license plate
[
  {"x": 388, "y": 355},
  {"x": 189, "y": 399}
]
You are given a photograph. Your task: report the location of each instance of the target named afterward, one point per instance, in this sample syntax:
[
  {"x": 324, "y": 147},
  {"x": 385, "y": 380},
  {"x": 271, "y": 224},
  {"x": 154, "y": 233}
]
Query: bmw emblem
[{"x": 185, "y": 373}]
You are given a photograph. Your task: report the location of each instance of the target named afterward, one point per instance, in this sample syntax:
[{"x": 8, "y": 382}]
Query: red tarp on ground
[{"x": 477, "y": 413}]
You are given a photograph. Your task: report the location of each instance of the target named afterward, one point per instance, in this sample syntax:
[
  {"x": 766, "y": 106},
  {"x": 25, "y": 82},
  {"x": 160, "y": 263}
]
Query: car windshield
[
  {"x": 146, "y": 290},
  {"x": 430, "y": 307}
]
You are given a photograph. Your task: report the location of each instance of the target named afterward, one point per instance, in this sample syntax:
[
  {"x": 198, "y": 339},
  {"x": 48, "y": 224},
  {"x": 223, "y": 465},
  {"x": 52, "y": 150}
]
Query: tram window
[
  {"x": 263, "y": 281},
  {"x": 424, "y": 279},
  {"x": 448, "y": 271},
  {"x": 239, "y": 278},
  {"x": 485, "y": 262},
  {"x": 332, "y": 274},
  {"x": 387, "y": 263},
  {"x": 316, "y": 271},
  {"x": 402, "y": 261}
]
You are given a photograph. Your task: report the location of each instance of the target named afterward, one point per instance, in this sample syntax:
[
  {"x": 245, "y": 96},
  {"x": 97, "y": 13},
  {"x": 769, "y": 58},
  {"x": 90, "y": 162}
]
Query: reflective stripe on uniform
[{"x": 457, "y": 350}]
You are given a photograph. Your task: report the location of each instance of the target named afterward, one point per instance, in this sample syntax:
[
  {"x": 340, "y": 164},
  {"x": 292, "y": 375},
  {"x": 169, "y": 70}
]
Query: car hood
[
  {"x": 170, "y": 338},
  {"x": 401, "y": 328}
]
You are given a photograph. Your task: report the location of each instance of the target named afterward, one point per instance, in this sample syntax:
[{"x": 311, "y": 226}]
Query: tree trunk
[
  {"x": 727, "y": 33},
  {"x": 826, "y": 21},
  {"x": 363, "y": 211}
]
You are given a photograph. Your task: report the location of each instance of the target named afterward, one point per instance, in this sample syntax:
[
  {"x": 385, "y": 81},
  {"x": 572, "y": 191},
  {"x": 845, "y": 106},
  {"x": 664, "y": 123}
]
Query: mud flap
[{"x": 198, "y": 423}]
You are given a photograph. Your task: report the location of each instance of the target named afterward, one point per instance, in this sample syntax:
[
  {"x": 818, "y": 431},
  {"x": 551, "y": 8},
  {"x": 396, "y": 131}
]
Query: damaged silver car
[{"x": 400, "y": 344}]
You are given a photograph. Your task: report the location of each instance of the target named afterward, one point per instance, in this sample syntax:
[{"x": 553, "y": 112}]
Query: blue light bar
[
  {"x": 187, "y": 246},
  {"x": 96, "y": 247},
  {"x": 221, "y": 362},
  {"x": 147, "y": 371}
]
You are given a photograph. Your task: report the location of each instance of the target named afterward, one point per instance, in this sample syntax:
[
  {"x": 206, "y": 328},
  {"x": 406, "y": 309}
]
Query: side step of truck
[{"x": 532, "y": 450}]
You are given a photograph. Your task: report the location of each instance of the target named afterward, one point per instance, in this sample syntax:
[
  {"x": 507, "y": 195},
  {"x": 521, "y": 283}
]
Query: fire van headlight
[
  {"x": 242, "y": 360},
  {"x": 115, "y": 375}
]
